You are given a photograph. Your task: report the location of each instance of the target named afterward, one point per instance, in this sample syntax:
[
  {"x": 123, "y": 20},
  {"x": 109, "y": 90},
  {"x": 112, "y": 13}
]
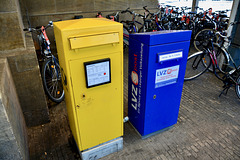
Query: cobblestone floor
[{"x": 208, "y": 128}]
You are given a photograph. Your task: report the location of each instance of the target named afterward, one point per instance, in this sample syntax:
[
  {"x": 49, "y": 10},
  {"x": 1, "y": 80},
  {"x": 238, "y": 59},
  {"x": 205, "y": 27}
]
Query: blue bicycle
[{"x": 50, "y": 69}]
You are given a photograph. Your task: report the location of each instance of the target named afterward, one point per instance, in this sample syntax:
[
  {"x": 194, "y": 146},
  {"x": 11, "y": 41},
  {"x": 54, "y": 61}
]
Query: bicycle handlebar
[
  {"x": 233, "y": 23},
  {"x": 218, "y": 33},
  {"x": 127, "y": 10},
  {"x": 31, "y": 29},
  {"x": 146, "y": 9},
  {"x": 226, "y": 37},
  {"x": 132, "y": 12},
  {"x": 152, "y": 14},
  {"x": 50, "y": 24}
]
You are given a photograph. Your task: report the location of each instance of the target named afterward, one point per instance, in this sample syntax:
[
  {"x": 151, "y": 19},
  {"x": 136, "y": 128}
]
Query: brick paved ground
[{"x": 208, "y": 128}]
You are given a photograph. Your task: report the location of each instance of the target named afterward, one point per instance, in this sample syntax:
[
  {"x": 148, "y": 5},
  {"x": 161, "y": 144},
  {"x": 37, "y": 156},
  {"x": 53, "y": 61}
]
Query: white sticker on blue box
[
  {"x": 166, "y": 76},
  {"x": 170, "y": 56}
]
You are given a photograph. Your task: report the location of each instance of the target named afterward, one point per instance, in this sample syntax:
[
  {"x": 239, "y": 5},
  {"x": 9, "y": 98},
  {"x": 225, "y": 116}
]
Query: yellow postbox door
[{"x": 99, "y": 109}]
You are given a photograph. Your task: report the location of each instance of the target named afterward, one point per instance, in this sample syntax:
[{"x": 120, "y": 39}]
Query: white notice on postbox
[
  {"x": 98, "y": 73},
  {"x": 166, "y": 76},
  {"x": 170, "y": 56}
]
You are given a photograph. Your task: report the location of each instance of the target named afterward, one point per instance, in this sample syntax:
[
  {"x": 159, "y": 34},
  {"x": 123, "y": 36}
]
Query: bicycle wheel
[
  {"x": 125, "y": 36},
  {"x": 51, "y": 77},
  {"x": 237, "y": 86},
  {"x": 196, "y": 65},
  {"x": 202, "y": 38}
]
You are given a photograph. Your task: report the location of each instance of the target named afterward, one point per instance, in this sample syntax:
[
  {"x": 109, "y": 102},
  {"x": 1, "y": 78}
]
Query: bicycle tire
[
  {"x": 142, "y": 31},
  {"x": 195, "y": 65},
  {"x": 237, "y": 86},
  {"x": 202, "y": 38},
  {"x": 133, "y": 28},
  {"x": 51, "y": 78},
  {"x": 125, "y": 36}
]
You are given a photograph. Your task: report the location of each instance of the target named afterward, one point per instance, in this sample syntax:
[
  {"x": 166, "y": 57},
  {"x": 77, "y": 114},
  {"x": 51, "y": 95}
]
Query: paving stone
[
  {"x": 163, "y": 157},
  {"x": 208, "y": 128}
]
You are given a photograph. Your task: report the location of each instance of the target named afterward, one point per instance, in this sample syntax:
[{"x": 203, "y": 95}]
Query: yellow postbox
[{"x": 90, "y": 53}]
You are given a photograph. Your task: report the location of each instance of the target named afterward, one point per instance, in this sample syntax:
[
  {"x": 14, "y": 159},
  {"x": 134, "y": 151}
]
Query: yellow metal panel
[
  {"x": 100, "y": 111},
  {"x": 94, "y": 40},
  {"x": 69, "y": 98},
  {"x": 99, "y": 117},
  {"x": 80, "y": 29},
  {"x": 84, "y": 23}
]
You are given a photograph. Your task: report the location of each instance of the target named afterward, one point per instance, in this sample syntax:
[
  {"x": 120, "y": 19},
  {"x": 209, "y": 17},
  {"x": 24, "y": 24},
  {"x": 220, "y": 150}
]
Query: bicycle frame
[
  {"x": 214, "y": 62},
  {"x": 44, "y": 42}
]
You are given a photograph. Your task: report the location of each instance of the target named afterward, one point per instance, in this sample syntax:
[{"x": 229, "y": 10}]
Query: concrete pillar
[
  {"x": 19, "y": 50},
  {"x": 194, "y": 4},
  {"x": 233, "y": 15},
  {"x": 26, "y": 76},
  {"x": 13, "y": 133},
  {"x": 234, "y": 31},
  {"x": 12, "y": 36}
]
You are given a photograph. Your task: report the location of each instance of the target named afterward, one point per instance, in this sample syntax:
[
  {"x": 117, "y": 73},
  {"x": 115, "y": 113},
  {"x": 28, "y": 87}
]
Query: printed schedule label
[{"x": 98, "y": 73}]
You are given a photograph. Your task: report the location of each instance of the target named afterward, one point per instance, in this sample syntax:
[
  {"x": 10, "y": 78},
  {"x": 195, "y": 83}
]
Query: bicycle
[
  {"x": 50, "y": 69},
  {"x": 113, "y": 16},
  {"x": 126, "y": 30},
  {"x": 129, "y": 26},
  {"x": 209, "y": 28},
  {"x": 199, "y": 62},
  {"x": 150, "y": 24}
]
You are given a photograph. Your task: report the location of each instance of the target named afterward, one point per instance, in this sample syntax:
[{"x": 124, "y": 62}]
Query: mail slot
[
  {"x": 91, "y": 57},
  {"x": 94, "y": 40}
]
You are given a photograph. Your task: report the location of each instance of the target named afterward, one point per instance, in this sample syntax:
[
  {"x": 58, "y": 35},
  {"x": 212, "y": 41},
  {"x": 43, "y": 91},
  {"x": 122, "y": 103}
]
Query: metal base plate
[
  {"x": 103, "y": 150},
  {"x": 151, "y": 134}
]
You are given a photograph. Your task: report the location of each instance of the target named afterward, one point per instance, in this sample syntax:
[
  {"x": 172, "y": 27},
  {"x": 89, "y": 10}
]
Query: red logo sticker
[
  {"x": 169, "y": 71},
  {"x": 134, "y": 77}
]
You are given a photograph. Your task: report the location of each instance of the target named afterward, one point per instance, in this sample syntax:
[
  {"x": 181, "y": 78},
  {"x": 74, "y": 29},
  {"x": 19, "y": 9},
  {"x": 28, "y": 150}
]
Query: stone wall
[
  {"x": 42, "y": 11},
  {"x": 24, "y": 67},
  {"x": 27, "y": 78},
  {"x": 20, "y": 50},
  {"x": 13, "y": 133},
  {"x": 11, "y": 25}
]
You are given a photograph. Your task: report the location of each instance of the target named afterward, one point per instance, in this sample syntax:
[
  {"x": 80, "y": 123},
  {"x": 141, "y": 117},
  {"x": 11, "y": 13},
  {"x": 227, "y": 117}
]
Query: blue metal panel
[
  {"x": 162, "y": 111},
  {"x": 162, "y": 37},
  {"x": 156, "y": 74},
  {"x": 137, "y": 84}
]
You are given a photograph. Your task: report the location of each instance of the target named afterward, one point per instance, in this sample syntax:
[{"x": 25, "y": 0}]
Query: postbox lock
[
  {"x": 83, "y": 95},
  {"x": 154, "y": 96},
  {"x": 78, "y": 106}
]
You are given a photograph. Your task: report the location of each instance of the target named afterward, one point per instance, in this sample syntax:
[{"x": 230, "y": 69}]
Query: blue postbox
[{"x": 157, "y": 63}]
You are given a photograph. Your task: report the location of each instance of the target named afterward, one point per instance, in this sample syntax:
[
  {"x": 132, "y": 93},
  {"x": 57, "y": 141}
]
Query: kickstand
[{"x": 226, "y": 88}]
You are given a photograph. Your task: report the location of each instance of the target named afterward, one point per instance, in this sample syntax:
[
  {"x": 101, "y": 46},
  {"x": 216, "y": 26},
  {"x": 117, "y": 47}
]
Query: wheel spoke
[{"x": 52, "y": 80}]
